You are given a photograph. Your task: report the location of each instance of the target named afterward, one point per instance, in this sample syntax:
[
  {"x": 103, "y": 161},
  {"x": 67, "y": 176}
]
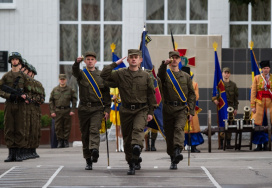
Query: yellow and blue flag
[
  {"x": 220, "y": 93},
  {"x": 157, "y": 121},
  {"x": 254, "y": 65}
]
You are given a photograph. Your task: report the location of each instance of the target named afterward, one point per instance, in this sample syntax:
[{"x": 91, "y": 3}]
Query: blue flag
[
  {"x": 220, "y": 93},
  {"x": 157, "y": 121},
  {"x": 116, "y": 58}
]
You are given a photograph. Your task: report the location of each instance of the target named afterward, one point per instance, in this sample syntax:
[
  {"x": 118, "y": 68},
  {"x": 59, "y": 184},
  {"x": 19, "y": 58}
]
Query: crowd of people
[
  {"x": 135, "y": 87},
  {"x": 22, "y": 114}
]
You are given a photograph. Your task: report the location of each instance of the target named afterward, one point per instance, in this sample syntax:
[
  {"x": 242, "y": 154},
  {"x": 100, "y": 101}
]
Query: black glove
[{"x": 13, "y": 97}]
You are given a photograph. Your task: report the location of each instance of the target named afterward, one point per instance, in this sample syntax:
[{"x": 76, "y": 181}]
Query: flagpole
[
  {"x": 116, "y": 129},
  {"x": 189, "y": 140},
  {"x": 108, "y": 153}
]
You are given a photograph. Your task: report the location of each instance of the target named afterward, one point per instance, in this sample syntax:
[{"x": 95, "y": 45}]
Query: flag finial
[
  {"x": 112, "y": 46},
  {"x": 251, "y": 44},
  {"x": 215, "y": 46}
]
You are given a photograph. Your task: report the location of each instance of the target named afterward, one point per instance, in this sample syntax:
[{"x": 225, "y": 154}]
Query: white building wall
[
  {"x": 133, "y": 23},
  {"x": 32, "y": 29},
  {"x": 219, "y": 20}
]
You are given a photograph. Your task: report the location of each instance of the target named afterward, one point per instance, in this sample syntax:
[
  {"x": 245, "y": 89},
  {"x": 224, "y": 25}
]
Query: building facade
[{"x": 50, "y": 34}]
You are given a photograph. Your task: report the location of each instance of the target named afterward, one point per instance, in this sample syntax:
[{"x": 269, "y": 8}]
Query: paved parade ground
[{"x": 65, "y": 168}]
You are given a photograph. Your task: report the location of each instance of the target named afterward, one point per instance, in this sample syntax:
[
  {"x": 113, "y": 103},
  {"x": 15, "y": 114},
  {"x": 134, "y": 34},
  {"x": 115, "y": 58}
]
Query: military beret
[
  {"x": 62, "y": 76},
  {"x": 173, "y": 53},
  {"x": 90, "y": 54},
  {"x": 265, "y": 63},
  {"x": 226, "y": 69},
  {"x": 134, "y": 52}
]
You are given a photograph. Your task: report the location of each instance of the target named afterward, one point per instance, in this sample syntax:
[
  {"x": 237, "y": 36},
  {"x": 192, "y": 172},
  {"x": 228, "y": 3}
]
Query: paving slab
[{"x": 57, "y": 168}]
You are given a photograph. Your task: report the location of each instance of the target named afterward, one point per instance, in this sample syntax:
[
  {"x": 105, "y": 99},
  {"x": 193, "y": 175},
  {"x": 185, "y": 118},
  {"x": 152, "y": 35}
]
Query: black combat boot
[
  {"x": 153, "y": 145},
  {"x": 22, "y": 153},
  {"x": 138, "y": 164},
  {"x": 95, "y": 155},
  {"x": 18, "y": 157},
  {"x": 136, "y": 150},
  {"x": 27, "y": 153},
  {"x": 66, "y": 143},
  {"x": 31, "y": 153},
  {"x": 177, "y": 156},
  {"x": 265, "y": 148},
  {"x": 35, "y": 154},
  {"x": 60, "y": 143},
  {"x": 11, "y": 155},
  {"x": 89, "y": 164},
  {"x": 173, "y": 166},
  {"x": 259, "y": 148},
  {"x": 131, "y": 170},
  {"x": 194, "y": 150}
]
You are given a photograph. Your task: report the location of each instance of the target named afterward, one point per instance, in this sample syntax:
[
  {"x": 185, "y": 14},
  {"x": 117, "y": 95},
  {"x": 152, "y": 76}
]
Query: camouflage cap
[
  {"x": 24, "y": 62},
  {"x": 30, "y": 68},
  {"x": 90, "y": 54},
  {"x": 173, "y": 53},
  {"x": 134, "y": 52},
  {"x": 226, "y": 69},
  {"x": 27, "y": 65},
  {"x": 14, "y": 55},
  {"x": 265, "y": 63},
  {"x": 34, "y": 70},
  {"x": 62, "y": 76}
]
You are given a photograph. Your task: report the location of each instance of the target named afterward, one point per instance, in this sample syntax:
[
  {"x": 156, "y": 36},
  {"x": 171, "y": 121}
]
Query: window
[
  {"x": 7, "y": 4},
  {"x": 178, "y": 16},
  {"x": 88, "y": 25},
  {"x": 251, "y": 23}
]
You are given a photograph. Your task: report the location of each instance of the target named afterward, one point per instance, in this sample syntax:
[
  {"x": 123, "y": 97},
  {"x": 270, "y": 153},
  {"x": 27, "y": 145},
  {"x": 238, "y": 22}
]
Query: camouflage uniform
[{"x": 14, "y": 112}]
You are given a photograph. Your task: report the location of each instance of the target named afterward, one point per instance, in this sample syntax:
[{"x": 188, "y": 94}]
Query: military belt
[
  {"x": 62, "y": 107},
  {"x": 90, "y": 104},
  {"x": 134, "y": 106},
  {"x": 175, "y": 103}
]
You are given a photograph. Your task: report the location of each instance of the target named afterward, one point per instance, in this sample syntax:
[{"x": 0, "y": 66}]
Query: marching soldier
[
  {"x": 138, "y": 104},
  {"x": 177, "y": 91},
  {"x": 261, "y": 95},
  {"x": 93, "y": 95},
  {"x": 14, "y": 114},
  {"x": 60, "y": 99},
  {"x": 232, "y": 98}
]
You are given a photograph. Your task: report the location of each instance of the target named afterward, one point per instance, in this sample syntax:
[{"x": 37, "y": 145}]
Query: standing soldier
[
  {"x": 26, "y": 154},
  {"x": 60, "y": 99},
  {"x": 14, "y": 113},
  {"x": 38, "y": 98},
  {"x": 260, "y": 101},
  {"x": 138, "y": 104},
  {"x": 177, "y": 91},
  {"x": 94, "y": 104},
  {"x": 232, "y": 98}
]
